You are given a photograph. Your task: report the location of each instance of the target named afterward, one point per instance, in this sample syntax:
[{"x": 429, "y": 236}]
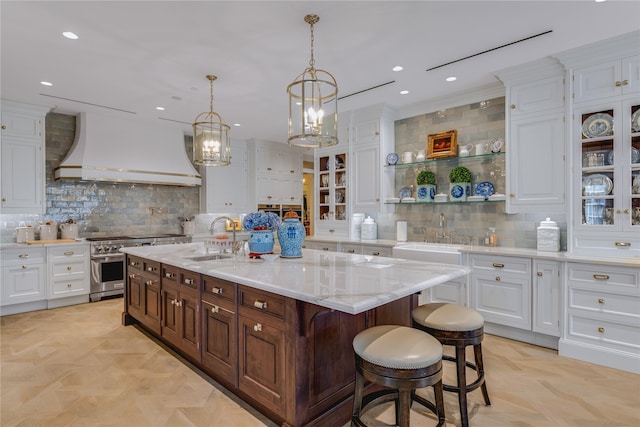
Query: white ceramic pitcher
[{"x": 464, "y": 150}]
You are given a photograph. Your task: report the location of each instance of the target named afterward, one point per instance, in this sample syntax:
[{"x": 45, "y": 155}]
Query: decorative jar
[
  {"x": 291, "y": 235},
  {"x": 260, "y": 241}
]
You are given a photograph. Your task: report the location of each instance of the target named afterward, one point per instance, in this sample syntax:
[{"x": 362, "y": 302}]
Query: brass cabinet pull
[
  {"x": 215, "y": 309},
  {"x": 600, "y": 300},
  {"x": 623, "y": 244},
  {"x": 68, "y": 253},
  {"x": 168, "y": 275},
  {"x": 4, "y": 127},
  {"x": 325, "y": 249},
  {"x": 618, "y": 83},
  {"x": 601, "y": 329},
  {"x": 498, "y": 265},
  {"x": 352, "y": 251},
  {"x": 601, "y": 276},
  {"x": 260, "y": 304},
  {"x": 151, "y": 269},
  {"x": 257, "y": 327},
  {"x": 132, "y": 276},
  {"x": 24, "y": 266},
  {"x": 539, "y": 273},
  {"x": 134, "y": 264},
  {"x": 498, "y": 278},
  {"x": 68, "y": 268},
  {"x": 188, "y": 281},
  {"x": 269, "y": 169},
  {"x": 376, "y": 253},
  {"x": 23, "y": 256},
  {"x": 625, "y": 82},
  {"x": 513, "y": 106},
  {"x": 216, "y": 290},
  {"x": 68, "y": 285}
]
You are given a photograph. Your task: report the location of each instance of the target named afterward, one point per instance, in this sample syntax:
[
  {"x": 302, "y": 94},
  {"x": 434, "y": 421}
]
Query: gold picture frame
[
  {"x": 234, "y": 223},
  {"x": 443, "y": 144}
]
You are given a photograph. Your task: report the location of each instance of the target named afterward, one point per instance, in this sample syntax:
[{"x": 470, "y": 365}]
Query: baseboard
[
  {"x": 523, "y": 335},
  {"x": 624, "y": 361},
  {"x": 24, "y": 307}
]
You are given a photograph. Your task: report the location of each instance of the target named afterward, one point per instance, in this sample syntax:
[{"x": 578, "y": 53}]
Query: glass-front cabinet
[
  {"x": 333, "y": 194},
  {"x": 608, "y": 135}
]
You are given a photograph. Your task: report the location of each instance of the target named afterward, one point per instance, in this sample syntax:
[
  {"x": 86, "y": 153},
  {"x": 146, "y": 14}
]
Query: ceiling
[{"x": 136, "y": 55}]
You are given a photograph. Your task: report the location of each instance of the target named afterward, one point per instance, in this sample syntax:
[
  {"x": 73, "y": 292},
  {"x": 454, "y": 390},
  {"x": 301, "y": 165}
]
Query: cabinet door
[
  {"x": 546, "y": 297},
  {"x": 537, "y": 96},
  {"x": 261, "y": 364},
  {"x": 22, "y": 283},
  {"x": 135, "y": 295},
  {"x": 219, "y": 343},
  {"x": 189, "y": 322},
  {"x": 502, "y": 298},
  {"x": 22, "y": 176},
  {"x": 152, "y": 305},
  {"x": 170, "y": 314},
  {"x": 224, "y": 189},
  {"x": 631, "y": 74},
  {"x": 366, "y": 178},
  {"x": 537, "y": 164},
  {"x": 597, "y": 81},
  {"x": 453, "y": 292}
]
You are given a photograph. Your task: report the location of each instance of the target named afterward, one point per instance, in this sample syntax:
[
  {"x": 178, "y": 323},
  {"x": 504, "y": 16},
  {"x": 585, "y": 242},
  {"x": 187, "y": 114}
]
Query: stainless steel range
[{"x": 107, "y": 262}]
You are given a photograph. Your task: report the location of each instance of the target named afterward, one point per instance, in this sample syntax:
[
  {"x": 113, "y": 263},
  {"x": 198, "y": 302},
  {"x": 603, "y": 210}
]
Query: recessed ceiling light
[
  {"x": 404, "y": 92},
  {"x": 70, "y": 35},
  {"x": 46, "y": 83},
  {"x": 600, "y": 1},
  {"x": 160, "y": 108},
  {"x": 237, "y": 125},
  {"x": 451, "y": 79},
  {"x": 398, "y": 68}
]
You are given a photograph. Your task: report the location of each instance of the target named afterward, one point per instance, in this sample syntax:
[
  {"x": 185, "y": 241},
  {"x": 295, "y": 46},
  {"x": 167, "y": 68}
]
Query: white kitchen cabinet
[
  {"x": 24, "y": 281},
  {"x": 69, "y": 275},
  {"x": 224, "y": 189},
  {"x": 547, "y": 297},
  {"x": 275, "y": 172},
  {"x": 535, "y": 148},
  {"x": 608, "y": 79},
  {"x": 23, "y": 158},
  {"x": 321, "y": 246},
  {"x": 603, "y": 315},
  {"x": 500, "y": 289}
]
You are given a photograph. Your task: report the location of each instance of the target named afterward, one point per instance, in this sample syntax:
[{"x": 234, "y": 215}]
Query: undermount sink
[
  {"x": 209, "y": 257},
  {"x": 430, "y": 252}
]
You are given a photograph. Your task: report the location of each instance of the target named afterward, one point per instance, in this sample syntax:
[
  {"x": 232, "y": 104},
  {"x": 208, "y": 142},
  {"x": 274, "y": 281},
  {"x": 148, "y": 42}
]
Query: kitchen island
[{"x": 277, "y": 334}]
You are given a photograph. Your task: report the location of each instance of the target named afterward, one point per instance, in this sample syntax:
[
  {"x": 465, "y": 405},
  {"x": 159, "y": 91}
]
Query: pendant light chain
[
  {"x": 211, "y": 79},
  {"x": 312, "y": 61}
]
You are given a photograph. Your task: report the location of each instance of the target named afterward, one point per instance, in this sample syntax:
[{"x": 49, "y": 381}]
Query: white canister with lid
[
  {"x": 548, "y": 236},
  {"x": 356, "y": 223},
  {"x": 369, "y": 229},
  {"x": 24, "y": 234}
]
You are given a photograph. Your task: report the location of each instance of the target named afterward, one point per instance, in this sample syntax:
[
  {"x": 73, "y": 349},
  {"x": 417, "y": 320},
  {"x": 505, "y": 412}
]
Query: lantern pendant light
[
  {"x": 313, "y": 104},
  {"x": 211, "y": 145}
]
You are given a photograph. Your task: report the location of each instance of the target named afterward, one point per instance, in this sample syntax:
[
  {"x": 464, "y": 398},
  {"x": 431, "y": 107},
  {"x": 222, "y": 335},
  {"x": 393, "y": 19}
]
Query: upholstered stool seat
[
  {"x": 401, "y": 359},
  {"x": 457, "y": 326}
]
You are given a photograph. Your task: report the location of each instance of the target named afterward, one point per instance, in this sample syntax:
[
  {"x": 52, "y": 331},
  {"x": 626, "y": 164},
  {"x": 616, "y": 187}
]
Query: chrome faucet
[{"x": 234, "y": 245}]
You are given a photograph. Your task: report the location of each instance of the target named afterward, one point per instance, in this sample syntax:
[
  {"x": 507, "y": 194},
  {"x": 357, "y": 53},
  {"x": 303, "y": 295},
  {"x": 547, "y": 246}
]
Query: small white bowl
[{"x": 270, "y": 257}]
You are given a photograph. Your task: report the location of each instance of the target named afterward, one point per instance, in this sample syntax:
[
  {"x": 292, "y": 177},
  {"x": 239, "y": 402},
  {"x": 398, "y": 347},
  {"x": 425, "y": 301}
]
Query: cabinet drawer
[
  {"x": 152, "y": 267},
  {"x": 71, "y": 286},
  {"x": 135, "y": 264},
  {"x": 350, "y": 248},
  {"x": 604, "y": 302},
  {"x": 263, "y": 302},
  {"x": 376, "y": 251},
  {"x": 68, "y": 267},
  {"x": 66, "y": 252},
  {"x": 219, "y": 289},
  {"x": 321, "y": 246},
  {"x": 602, "y": 275},
  {"x": 216, "y": 304},
  {"x": 22, "y": 256},
  {"x": 501, "y": 264},
  {"x": 190, "y": 279},
  {"x": 170, "y": 274},
  {"x": 591, "y": 329}
]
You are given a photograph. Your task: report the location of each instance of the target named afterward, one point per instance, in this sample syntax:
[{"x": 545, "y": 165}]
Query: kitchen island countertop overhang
[{"x": 350, "y": 283}]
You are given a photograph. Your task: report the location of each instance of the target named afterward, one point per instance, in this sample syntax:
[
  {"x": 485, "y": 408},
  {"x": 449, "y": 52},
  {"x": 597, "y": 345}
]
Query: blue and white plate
[
  {"x": 484, "y": 189},
  {"x": 635, "y": 155},
  {"x": 405, "y": 192},
  {"x": 597, "y": 125},
  {"x": 392, "y": 158}
]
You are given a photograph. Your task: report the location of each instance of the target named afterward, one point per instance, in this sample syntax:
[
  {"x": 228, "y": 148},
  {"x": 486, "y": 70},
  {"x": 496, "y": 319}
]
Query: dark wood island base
[{"x": 291, "y": 360}]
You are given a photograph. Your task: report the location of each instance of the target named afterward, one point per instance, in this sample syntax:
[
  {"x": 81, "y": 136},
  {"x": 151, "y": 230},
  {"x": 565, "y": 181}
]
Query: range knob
[
  {"x": 114, "y": 248},
  {"x": 99, "y": 249}
]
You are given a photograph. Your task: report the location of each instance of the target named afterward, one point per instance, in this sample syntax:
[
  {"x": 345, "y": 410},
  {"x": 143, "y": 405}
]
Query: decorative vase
[
  {"x": 425, "y": 193},
  {"x": 260, "y": 242},
  {"x": 291, "y": 236},
  {"x": 458, "y": 191}
]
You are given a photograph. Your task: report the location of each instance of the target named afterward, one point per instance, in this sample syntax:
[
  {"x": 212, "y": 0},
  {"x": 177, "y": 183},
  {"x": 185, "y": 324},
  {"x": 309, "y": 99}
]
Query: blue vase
[
  {"x": 291, "y": 236},
  {"x": 260, "y": 242}
]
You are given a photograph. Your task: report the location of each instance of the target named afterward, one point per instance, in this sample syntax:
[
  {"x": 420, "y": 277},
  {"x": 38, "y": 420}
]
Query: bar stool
[
  {"x": 401, "y": 359},
  {"x": 457, "y": 326}
]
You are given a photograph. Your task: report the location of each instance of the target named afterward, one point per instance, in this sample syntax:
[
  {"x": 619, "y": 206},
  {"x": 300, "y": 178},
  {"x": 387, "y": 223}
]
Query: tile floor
[{"x": 78, "y": 366}]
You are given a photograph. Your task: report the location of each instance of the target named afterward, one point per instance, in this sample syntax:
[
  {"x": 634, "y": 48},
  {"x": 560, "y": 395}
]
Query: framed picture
[
  {"x": 442, "y": 144},
  {"x": 235, "y": 223}
]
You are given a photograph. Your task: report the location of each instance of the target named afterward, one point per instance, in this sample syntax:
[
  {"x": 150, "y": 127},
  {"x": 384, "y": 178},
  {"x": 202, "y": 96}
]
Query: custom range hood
[{"x": 115, "y": 149}]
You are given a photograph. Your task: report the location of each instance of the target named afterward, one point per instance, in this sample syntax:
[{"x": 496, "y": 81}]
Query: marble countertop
[
  {"x": 349, "y": 283},
  {"x": 14, "y": 245}
]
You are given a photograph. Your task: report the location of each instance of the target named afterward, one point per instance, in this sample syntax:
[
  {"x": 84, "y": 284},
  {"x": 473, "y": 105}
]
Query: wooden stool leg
[
  {"x": 404, "y": 408},
  {"x": 439, "y": 396},
  {"x": 462, "y": 385},
  {"x": 477, "y": 351}
]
